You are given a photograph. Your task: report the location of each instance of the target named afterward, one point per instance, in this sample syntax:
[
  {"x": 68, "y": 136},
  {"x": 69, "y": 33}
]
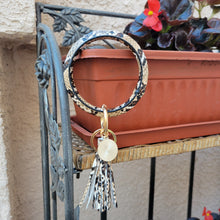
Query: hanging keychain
[
  {"x": 101, "y": 186},
  {"x": 107, "y": 148}
]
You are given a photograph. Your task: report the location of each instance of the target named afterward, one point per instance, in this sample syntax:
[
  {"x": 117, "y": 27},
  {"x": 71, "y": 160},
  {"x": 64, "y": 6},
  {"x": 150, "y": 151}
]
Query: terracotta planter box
[{"x": 182, "y": 98}]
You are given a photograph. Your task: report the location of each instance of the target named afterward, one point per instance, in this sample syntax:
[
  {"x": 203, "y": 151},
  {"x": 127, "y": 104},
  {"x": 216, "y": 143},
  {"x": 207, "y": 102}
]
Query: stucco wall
[
  {"x": 4, "y": 191},
  {"x": 21, "y": 186},
  {"x": 21, "y": 131},
  {"x": 17, "y": 18}
]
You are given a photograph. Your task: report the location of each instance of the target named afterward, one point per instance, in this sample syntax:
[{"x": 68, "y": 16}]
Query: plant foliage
[{"x": 180, "y": 30}]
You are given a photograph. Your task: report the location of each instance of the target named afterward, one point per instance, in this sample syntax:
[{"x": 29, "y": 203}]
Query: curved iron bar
[
  {"x": 44, "y": 74},
  {"x": 43, "y": 129},
  {"x": 47, "y": 41}
]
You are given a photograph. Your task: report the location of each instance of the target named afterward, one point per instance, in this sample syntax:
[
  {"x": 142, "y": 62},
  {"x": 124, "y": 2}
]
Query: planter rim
[
  {"x": 150, "y": 136},
  {"x": 88, "y": 133},
  {"x": 150, "y": 54}
]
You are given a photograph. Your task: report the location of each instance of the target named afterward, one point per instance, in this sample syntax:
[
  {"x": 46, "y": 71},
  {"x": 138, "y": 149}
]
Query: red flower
[
  {"x": 207, "y": 214},
  {"x": 152, "y": 14}
]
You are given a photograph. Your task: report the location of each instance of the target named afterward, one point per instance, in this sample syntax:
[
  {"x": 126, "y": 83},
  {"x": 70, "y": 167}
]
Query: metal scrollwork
[
  {"x": 42, "y": 67},
  {"x": 74, "y": 19},
  {"x": 57, "y": 167}
]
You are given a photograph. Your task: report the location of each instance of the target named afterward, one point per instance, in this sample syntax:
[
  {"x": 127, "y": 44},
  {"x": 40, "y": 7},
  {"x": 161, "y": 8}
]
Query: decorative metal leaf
[
  {"x": 84, "y": 30},
  {"x": 42, "y": 67},
  {"x": 68, "y": 17},
  {"x": 53, "y": 156},
  {"x": 73, "y": 35},
  {"x": 60, "y": 190},
  {"x": 59, "y": 24},
  {"x": 61, "y": 168},
  {"x": 70, "y": 37},
  {"x": 57, "y": 184},
  {"x": 55, "y": 178},
  {"x": 57, "y": 168},
  {"x": 54, "y": 133},
  {"x": 72, "y": 15}
]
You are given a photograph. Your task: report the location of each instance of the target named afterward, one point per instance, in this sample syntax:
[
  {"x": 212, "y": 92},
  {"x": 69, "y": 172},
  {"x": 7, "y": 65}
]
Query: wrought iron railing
[{"x": 49, "y": 68}]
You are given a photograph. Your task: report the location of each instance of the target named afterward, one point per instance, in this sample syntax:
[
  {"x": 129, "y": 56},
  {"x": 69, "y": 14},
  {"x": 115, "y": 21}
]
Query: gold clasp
[
  {"x": 103, "y": 131},
  {"x": 104, "y": 122}
]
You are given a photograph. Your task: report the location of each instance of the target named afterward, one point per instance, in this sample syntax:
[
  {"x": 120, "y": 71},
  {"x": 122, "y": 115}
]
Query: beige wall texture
[{"x": 20, "y": 156}]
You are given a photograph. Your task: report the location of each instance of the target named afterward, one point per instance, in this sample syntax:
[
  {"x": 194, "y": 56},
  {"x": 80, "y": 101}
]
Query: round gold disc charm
[{"x": 107, "y": 150}]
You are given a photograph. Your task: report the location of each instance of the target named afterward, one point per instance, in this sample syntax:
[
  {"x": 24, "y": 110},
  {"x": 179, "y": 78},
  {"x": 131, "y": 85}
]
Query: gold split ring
[{"x": 99, "y": 131}]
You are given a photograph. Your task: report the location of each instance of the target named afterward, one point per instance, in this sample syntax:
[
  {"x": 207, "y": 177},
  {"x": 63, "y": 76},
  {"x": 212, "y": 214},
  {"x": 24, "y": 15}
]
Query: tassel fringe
[{"x": 100, "y": 187}]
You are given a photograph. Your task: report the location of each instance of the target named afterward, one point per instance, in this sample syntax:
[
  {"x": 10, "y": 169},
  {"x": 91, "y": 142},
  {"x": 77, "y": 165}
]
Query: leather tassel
[{"x": 100, "y": 187}]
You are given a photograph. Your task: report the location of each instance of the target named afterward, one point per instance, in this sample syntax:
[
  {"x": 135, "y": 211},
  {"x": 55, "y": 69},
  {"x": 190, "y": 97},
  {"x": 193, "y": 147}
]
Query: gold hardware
[
  {"x": 104, "y": 122},
  {"x": 99, "y": 131}
]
